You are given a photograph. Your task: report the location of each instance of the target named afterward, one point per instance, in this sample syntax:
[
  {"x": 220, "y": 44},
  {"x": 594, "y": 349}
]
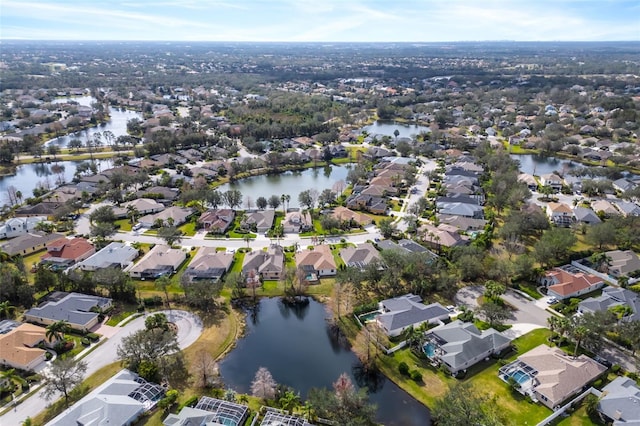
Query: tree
[
  {"x": 53, "y": 150},
  {"x": 205, "y": 370},
  {"x": 233, "y": 198},
  {"x": 274, "y": 202},
  {"x": 6, "y": 309},
  {"x": 261, "y": 203},
  {"x": 493, "y": 313},
  {"x": 554, "y": 245},
  {"x": 493, "y": 290},
  {"x": 263, "y": 385},
  {"x": 304, "y": 198},
  {"x": 345, "y": 405},
  {"x": 170, "y": 234},
  {"x": 163, "y": 284},
  {"x": 601, "y": 261},
  {"x": 202, "y": 294},
  {"x": 578, "y": 333},
  {"x": 602, "y": 234},
  {"x": 102, "y": 229},
  {"x": 63, "y": 376},
  {"x": 158, "y": 321},
  {"x": 56, "y": 331},
  {"x": 327, "y": 197},
  {"x": 103, "y": 214},
  {"x": 11, "y": 379},
  {"x": 464, "y": 405},
  {"x": 214, "y": 198},
  {"x": 156, "y": 346},
  {"x": 75, "y": 143},
  {"x": 387, "y": 227},
  {"x": 289, "y": 401}
]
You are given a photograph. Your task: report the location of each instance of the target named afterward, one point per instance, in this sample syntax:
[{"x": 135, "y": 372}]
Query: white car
[{"x": 552, "y": 301}]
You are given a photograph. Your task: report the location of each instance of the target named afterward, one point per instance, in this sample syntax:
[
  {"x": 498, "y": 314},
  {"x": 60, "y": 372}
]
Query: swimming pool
[
  {"x": 519, "y": 376},
  {"x": 429, "y": 349},
  {"x": 369, "y": 316}
]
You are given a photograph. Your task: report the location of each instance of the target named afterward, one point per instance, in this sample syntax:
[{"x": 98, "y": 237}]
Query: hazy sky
[{"x": 320, "y": 20}]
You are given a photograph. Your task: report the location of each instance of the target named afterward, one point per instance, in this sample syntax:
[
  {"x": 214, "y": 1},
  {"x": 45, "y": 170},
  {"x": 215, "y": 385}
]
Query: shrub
[
  {"x": 615, "y": 368},
  {"x": 632, "y": 375},
  {"x": 153, "y": 301},
  {"x": 48, "y": 356},
  {"x": 93, "y": 337},
  {"x": 191, "y": 402},
  {"x": 403, "y": 368},
  {"x": 85, "y": 341},
  {"x": 416, "y": 376}
]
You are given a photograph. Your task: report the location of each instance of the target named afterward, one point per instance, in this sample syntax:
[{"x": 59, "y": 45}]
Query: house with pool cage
[
  {"x": 460, "y": 345},
  {"x": 209, "y": 411},
  {"x": 550, "y": 375}
]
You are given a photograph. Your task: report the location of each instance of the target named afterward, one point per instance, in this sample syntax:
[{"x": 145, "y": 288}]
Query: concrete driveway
[{"x": 189, "y": 329}]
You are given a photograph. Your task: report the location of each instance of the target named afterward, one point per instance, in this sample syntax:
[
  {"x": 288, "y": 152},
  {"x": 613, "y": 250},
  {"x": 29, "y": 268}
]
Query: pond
[
  {"x": 296, "y": 345},
  {"x": 387, "y": 128},
  {"x": 535, "y": 164},
  {"x": 117, "y": 123},
  {"x": 290, "y": 183},
  {"x": 29, "y": 176}
]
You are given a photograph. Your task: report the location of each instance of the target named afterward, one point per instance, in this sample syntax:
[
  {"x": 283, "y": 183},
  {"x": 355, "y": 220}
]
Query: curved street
[{"x": 189, "y": 329}]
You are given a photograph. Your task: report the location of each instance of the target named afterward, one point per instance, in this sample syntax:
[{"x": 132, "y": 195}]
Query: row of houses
[{"x": 561, "y": 214}]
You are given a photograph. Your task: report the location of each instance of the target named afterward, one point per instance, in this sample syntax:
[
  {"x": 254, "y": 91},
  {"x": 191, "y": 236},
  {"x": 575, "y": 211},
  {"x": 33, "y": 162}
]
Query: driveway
[
  {"x": 525, "y": 312},
  {"x": 189, "y": 329}
]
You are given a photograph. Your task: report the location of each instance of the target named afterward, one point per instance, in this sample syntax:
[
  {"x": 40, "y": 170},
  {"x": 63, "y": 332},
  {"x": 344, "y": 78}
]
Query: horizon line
[{"x": 317, "y": 41}]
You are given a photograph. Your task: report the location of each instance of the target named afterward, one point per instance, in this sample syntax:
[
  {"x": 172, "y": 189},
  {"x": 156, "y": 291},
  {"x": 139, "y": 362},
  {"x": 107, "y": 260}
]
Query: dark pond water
[
  {"x": 291, "y": 183},
  {"x": 117, "y": 123},
  {"x": 382, "y": 127},
  {"x": 538, "y": 165},
  {"x": 29, "y": 176},
  {"x": 297, "y": 347}
]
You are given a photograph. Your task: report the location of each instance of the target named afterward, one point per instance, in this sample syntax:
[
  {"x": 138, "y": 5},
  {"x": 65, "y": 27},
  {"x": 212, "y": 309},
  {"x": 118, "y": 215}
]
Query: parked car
[
  {"x": 136, "y": 226},
  {"x": 552, "y": 301}
]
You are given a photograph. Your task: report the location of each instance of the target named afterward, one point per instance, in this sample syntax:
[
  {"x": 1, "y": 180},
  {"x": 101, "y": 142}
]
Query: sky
[{"x": 321, "y": 20}]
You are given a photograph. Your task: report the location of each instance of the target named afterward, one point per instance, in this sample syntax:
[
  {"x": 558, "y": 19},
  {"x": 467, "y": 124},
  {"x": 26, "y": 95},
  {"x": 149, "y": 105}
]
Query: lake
[
  {"x": 538, "y": 165},
  {"x": 296, "y": 345},
  {"x": 28, "y": 176},
  {"x": 117, "y": 123},
  {"x": 291, "y": 183},
  {"x": 381, "y": 127}
]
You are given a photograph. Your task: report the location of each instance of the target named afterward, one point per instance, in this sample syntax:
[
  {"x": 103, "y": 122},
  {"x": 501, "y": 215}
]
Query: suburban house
[
  {"x": 462, "y": 223},
  {"x": 29, "y": 243},
  {"x": 559, "y": 214},
  {"x": 210, "y": 411},
  {"x": 344, "y": 214},
  {"x": 552, "y": 180},
  {"x": 175, "y": 215},
  {"x": 65, "y": 252},
  {"x": 627, "y": 208},
  {"x": 317, "y": 263},
  {"x": 143, "y": 206},
  {"x": 619, "y": 402},
  {"x": 370, "y": 203},
  {"x": 81, "y": 311},
  {"x": 460, "y": 209},
  {"x": 613, "y": 296},
  {"x": 605, "y": 207},
  {"x": 209, "y": 264},
  {"x": 19, "y": 347},
  {"x": 623, "y": 185},
  {"x": 217, "y": 221},
  {"x": 585, "y": 215},
  {"x": 623, "y": 262},
  {"x": 17, "y": 226},
  {"x": 275, "y": 417},
  {"x": 160, "y": 260},
  {"x": 121, "y": 400},
  {"x": 442, "y": 236},
  {"x": 567, "y": 282},
  {"x": 162, "y": 194},
  {"x": 261, "y": 221},
  {"x": 529, "y": 180},
  {"x": 115, "y": 255},
  {"x": 406, "y": 311},
  {"x": 297, "y": 221},
  {"x": 404, "y": 246},
  {"x": 268, "y": 265},
  {"x": 550, "y": 375},
  {"x": 459, "y": 345},
  {"x": 361, "y": 256}
]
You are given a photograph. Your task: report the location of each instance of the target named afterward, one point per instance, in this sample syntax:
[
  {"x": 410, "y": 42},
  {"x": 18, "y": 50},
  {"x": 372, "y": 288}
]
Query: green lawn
[
  {"x": 238, "y": 258},
  {"x": 188, "y": 229},
  {"x": 123, "y": 224},
  {"x": 120, "y": 312}
]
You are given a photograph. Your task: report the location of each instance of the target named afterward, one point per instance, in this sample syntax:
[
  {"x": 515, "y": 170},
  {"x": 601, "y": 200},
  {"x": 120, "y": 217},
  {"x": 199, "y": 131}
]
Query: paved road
[{"x": 189, "y": 329}]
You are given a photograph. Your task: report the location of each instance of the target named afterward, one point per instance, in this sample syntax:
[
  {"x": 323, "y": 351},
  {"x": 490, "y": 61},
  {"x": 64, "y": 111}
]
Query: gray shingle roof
[
  {"x": 115, "y": 254},
  {"x": 74, "y": 308},
  {"x": 621, "y": 401},
  {"x": 408, "y": 310}
]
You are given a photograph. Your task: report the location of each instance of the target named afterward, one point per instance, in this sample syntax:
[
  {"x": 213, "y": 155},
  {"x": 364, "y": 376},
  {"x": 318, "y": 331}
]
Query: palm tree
[
  {"x": 57, "y": 330},
  {"x": 163, "y": 284},
  {"x": 11, "y": 379},
  {"x": 601, "y": 261},
  {"x": 6, "y": 309},
  {"x": 283, "y": 197},
  {"x": 579, "y": 333},
  {"x": 132, "y": 213}
]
